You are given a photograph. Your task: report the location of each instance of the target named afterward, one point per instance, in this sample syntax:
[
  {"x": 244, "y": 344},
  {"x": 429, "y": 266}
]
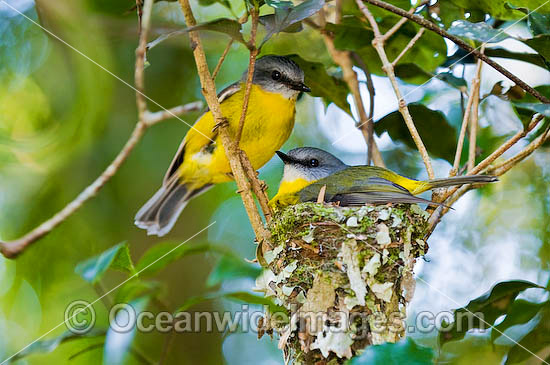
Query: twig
[
  {"x": 222, "y": 58},
  {"x": 474, "y": 117},
  {"x": 251, "y": 63},
  {"x": 408, "y": 46},
  {"x": 372, "y": 93},
  {"x": 229, "y": 145},
  {"x": 462, "y": 135},
  {"x": 378, "y": 44},
  {"x": 459, "y": 42},
  {"x": 156, "y": 117},
  {"x": 401, "y": 22},
  {"x": 258, "y": 186},
  {"x": 365, "y": 124},
  {"x": 498, "y": 152},
  {"x": 13, "y": 248},
  {"x": 520, "y": 156}
]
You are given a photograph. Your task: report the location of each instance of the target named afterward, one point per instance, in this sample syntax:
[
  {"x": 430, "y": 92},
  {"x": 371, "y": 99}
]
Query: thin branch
[
  {"x": 498, "y": 152},
  {"x": 520, "y": 156},
  {"x": 13, "y": 248},
  {"x": 157, "y": 117},
  {"x": 222, "y": 58},
  {"x": 408, "y": 46},
  {"x": 229, "y": 145},
  {"x": 365, "y": 123},
  {"x": 474, "y": 116},
  {"x": 378, "y": 44},
  {"x": 462, "y": 135},
  {"x": 251, "y": 63},
  {"x": 372, "y": 93},
  {"x": 459, "y": 42},
  {"x": 402, "y": 21}
]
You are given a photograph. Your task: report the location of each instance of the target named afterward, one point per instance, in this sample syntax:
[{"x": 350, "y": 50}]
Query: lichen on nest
[{"x": 344, "y": 274}]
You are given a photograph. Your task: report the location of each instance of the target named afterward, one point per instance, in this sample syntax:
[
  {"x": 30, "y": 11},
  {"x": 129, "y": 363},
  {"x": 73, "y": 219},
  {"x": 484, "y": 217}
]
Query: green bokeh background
[{"x": 63, "y": 119}]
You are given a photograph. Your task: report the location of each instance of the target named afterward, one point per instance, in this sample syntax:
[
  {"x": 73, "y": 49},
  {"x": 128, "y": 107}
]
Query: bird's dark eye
[
  {"x": 313, "y": 162},
  {"x": 276, "y": 75}
]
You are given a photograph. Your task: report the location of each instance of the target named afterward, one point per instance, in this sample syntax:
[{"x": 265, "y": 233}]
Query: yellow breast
[
  {"x": 287, "y": 193},
  {"x": 268, "y": 124}
]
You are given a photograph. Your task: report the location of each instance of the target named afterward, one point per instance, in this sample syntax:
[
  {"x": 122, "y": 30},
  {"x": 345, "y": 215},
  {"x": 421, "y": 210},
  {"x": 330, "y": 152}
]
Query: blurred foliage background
[{"x": 63, "y": 119}]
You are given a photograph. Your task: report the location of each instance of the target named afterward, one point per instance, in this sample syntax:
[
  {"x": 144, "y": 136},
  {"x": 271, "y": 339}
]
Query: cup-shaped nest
[{"x": 344, "y": 276}]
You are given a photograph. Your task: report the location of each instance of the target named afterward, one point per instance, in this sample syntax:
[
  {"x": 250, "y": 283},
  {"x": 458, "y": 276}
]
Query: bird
[
  {"x": 200, "y": 162},
  {"x": 308, "y": 169}
]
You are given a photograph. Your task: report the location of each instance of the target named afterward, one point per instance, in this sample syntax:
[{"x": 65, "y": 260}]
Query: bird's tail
[
  {"x": 456, "y": 180},
  {"x": 160, "y": 213}
]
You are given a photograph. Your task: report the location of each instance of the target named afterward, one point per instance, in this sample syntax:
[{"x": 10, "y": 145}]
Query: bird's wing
[
  {"x": 366, "y": 190},
  {"x": 204, "y": 136}
]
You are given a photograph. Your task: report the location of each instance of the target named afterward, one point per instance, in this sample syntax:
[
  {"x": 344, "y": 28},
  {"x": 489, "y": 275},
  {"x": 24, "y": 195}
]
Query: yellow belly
[
  {"x": 268, "y": 124},
  {"x": 287, "y": 193}
]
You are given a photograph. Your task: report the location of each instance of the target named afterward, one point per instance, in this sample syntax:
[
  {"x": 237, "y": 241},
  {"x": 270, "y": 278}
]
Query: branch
[
  {"x": 520, "y": 156},
  {"x": 459, "y": 42},
  {"x": 259, "y": 187},
  {"x": 408, "y": 46},
  {"x": 365, "y": 124},
  {"x": 229, "y": 145},
  {"x": 157, "y": 117},
  {"x": 474, "y": 116},
  {"x": 13, "y": 248},
  {"x": 462, "y": 135},
  {"x": 378, "y": 44},
  {"x": 222, "y": 58}
]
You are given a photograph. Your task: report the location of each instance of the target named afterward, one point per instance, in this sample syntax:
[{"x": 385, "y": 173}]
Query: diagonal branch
[
  {"x": 13, "y": 248},
  {"x": 474, "y": 117},
  {"x": 365, "y": 123},
  {"x": 229, "y": 145},
  {"x": 378, "y": 44},
  {"x": 459, "y": 42}
]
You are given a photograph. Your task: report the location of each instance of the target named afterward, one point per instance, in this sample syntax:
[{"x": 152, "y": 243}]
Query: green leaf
[
  {"x": 484, "y": 310},
  {"x": 482, "y": 32},
  {"x": 231, "y": 267},
  {"x": 118, "y": 342},
  {"x": 227, "y": 26},
  {"x": 137, "y": 288},
  {"x": 405, "y": 351},
  {"x": 456, "y": 82},
  {"x": 437, "y": 134},
  {"x": 412, "y": 73},
  {"x": 449, "y": 12},
  {"x": 534, "y": 341},
  {"x": 225, "y": 3},
  {"x": 242, "y": 297},
  {"x": 117, "y": 257},
  {"x": 277, "y": 4},
  {"x": 543, "y": 109},
  {"x": 520, "y": 312},
  {"x": 223, "y": 25},
  {"x": 162, "y": 254},
  {"x": 47, "y": 346},
  {"x": 541, "y": 44},
  {"x": 330, "y": 88},
  {"x": 285, "y": 16},
  {"x": 461, "y": 57},
  {"x": 538, "y": 23},
  {"x": 498, "y": 9}
]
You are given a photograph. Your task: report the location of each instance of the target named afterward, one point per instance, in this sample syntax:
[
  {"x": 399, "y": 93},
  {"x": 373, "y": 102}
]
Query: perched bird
[
  {"x": 201, "y": 162},
  {"x": 308, "y": 169}
]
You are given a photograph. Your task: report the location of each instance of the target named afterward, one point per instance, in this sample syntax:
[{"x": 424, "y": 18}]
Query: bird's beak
[
  {"x": 299, "y": 86},
  {"x": 283, "y": 156}
]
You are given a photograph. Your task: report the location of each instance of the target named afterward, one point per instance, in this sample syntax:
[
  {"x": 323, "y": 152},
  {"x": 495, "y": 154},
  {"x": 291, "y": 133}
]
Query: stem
[
  {"x": 229, "y": 145},
  {"x": 222, "y": 58},
  {"x": 378, "y": 44},
  {"x": 459, "y": 42},
  {"x": 365, "y": 124},
  {"x": 408, "y": 46},
  {"x": 462, "y": 135},
  {"x": 474, "y": 116}
]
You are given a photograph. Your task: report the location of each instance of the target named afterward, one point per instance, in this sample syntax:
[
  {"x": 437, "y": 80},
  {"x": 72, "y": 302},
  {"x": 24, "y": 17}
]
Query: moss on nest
[{"x": 344, "y": 274}]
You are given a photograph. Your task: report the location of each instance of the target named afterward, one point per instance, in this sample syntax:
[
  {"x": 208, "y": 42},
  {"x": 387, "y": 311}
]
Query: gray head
[
  {"x": 279, "y": 74},
  {"x": 309, "y": 163}
]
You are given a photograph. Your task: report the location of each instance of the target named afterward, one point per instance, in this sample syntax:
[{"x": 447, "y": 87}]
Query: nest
[{"x": 343, "y": 276}]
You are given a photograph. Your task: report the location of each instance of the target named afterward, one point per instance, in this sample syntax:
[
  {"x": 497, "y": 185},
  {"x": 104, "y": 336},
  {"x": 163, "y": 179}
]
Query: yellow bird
[
  {"x": 308, "y": 169},
  {"x": 201, "y": 162}
]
